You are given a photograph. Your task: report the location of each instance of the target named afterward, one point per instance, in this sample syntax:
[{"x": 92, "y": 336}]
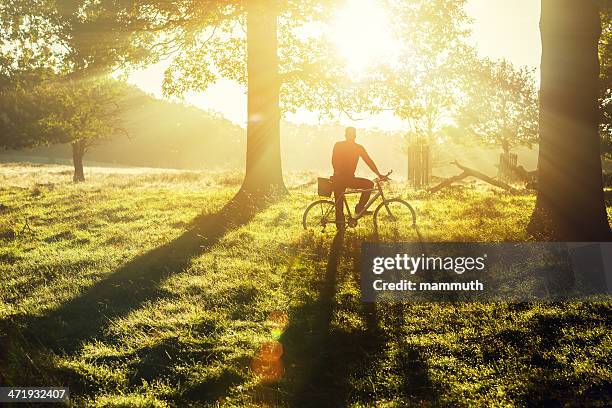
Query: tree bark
[
  {"x": 570, "y": 201},
  {"x": 78, "y": 151},
  {"x": 263, "y": 158}
]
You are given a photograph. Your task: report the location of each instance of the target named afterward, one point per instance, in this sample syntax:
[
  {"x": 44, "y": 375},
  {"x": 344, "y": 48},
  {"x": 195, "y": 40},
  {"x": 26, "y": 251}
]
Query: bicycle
[{"x": 390, "y": 212}]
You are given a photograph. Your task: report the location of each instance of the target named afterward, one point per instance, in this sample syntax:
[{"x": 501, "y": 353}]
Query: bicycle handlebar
[{"x": 384, "y": 178}]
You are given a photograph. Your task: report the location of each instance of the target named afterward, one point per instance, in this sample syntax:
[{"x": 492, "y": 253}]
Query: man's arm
[
  {"x": 335, "y": 157},
  {"x": 368, "y": 160}
]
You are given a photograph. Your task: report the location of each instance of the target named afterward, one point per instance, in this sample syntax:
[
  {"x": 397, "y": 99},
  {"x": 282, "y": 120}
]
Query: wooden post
[{"x": 419, "y": 165}]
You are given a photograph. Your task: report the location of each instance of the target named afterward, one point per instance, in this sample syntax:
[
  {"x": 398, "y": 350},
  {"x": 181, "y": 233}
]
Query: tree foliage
[
  {"x": 60, "y": 111},
  {"x": 30, "y": 42},
  {"x": 501, "y": 104},
  {"x": 204, "y": 47},
  {"x": 423, "y": 86},
  {"x": 86, "y": 110}
]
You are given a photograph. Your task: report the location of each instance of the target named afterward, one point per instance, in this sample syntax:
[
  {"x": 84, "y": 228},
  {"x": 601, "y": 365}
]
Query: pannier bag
[{"x": 324, "y": 187}]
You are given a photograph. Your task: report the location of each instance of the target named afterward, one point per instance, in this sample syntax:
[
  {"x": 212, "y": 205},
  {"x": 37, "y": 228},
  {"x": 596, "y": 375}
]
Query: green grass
[{"x": 143, "y": 289}]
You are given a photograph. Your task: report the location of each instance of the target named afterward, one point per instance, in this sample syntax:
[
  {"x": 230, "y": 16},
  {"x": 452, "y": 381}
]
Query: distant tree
[
  {"x": 570, "y": 202},
  {"x": 500, "y": 106},
  {"x": 81, "y": 113},
  {"x": 423, "y": 87}
]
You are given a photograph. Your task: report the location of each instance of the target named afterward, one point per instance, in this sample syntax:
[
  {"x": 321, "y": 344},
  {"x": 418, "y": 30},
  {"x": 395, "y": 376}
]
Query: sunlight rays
[{"x": 362, "y": 35}]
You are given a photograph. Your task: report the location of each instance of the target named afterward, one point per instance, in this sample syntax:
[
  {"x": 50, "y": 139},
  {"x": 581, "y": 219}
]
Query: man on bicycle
[{"x": 345, "y": 156}]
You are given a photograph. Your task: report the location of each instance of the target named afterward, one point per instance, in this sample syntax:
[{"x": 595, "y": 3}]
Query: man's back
[{"x": 345, "y": 156}]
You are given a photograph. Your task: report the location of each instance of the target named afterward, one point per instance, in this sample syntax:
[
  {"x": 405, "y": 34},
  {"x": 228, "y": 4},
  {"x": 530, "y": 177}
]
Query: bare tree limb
[{"x": 469, "y": 172}]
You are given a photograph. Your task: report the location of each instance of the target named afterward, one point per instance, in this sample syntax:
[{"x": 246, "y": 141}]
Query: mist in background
[{"x": 165, "y": 134}]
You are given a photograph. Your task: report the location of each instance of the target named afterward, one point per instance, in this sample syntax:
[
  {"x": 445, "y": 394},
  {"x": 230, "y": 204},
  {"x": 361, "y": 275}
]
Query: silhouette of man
[{"x": 345, "y": 156}]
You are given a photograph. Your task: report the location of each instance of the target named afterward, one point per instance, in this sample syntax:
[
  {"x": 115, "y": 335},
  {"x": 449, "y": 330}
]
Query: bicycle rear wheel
[
  {"x": 394, "y": 217},
  {"x": 319, "y": 214}
]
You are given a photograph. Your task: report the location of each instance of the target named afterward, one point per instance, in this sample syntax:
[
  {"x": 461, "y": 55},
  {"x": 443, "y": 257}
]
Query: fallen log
[
  {"x": 469, "y": 172},
  {"x": 448, "y": 182}
]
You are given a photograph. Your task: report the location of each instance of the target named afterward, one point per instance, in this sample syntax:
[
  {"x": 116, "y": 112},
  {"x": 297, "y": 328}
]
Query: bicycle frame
[{"x": 379, "y": 193}]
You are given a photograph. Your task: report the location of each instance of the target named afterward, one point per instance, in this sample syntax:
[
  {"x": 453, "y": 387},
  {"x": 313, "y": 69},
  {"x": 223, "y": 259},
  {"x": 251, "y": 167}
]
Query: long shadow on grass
[
  {"x": 553, "y": 381},
  {"x": 85, "y": 317},
  {"x": 332, "y": 362},
  {"x": 309, "y": 344}
]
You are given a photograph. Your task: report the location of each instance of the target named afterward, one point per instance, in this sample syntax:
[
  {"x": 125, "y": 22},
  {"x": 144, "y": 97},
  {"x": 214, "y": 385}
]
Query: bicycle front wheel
[
  {"x": 394, "y": 216},
  {"x": 319, "y": 214}
]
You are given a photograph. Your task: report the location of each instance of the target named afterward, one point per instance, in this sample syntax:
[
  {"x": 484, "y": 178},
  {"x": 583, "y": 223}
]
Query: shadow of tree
[
  {"x": 330, "y": 365},
  {"x": 549, "y": 384},
  {"x": 26, "y": 343}
]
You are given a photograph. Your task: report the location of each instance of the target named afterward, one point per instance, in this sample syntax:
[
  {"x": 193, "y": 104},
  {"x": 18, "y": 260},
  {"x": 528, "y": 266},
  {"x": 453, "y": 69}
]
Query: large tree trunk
[
  {"x": 263, "y": 161},
  {"x": 570, "y": 202},
  {"x": 78, "y": 151}
]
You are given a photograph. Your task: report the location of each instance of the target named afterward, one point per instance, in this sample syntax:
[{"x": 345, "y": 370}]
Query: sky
[{"x": 501, "y": 29}]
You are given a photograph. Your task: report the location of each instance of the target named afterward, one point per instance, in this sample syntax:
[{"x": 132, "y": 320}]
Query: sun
[{"x": 362, "y": 35}]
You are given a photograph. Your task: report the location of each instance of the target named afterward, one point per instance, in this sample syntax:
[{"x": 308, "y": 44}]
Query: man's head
[{"x": 350, "y": 134}]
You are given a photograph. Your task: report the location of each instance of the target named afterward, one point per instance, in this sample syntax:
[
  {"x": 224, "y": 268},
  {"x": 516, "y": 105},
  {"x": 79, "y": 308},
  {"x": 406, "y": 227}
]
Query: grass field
[{"x": 143, "y": 289}]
